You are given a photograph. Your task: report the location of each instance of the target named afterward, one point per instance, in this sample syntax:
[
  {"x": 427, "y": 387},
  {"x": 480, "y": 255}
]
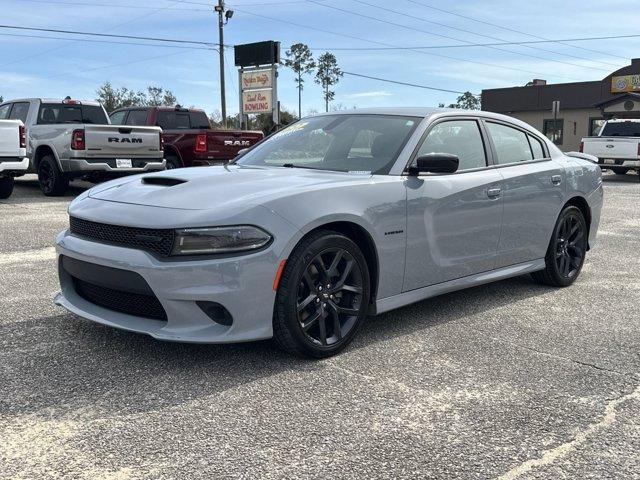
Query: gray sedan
[{"x": 337, "y": 217}]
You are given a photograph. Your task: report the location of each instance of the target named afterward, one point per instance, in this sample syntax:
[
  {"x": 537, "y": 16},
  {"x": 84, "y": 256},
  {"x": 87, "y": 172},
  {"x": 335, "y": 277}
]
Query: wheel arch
[
  {"x": 42, "y": 151},
  {"x": 171, "y": 150},
  {"x": 581, "y": 204},
  {"x": 361, "y": 237}
]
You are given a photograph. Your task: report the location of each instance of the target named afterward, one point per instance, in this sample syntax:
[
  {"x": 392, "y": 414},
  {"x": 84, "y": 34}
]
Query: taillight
[
  {"x": 201, "y": 143},
  {"x": 582, "y": 147},
  {"x": 23, "y": 137},
  {"x": 77, "y": 140},
  {"x": 161, "y": 142},
  {"x": 639, "y": 149}
]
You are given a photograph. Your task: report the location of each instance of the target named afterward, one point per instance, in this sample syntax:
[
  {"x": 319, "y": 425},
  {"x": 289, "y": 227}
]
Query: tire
[
  {"x": 52, "y": 181},
  {"x": 567, "y": 249},
  {"x": 621, "y": 171},
  {"x": 6, "y": 187},
  {"x": 173, "y": 162},
  {"x": 321, "y": 302}
]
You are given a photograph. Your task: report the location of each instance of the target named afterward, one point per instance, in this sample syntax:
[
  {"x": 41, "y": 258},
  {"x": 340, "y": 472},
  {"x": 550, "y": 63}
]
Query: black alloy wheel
[
  {"x": 567, "y": 249},
  {"x": 323, "y": 296},
  {"x": 329, "y": 297},
  {"x": 52, "y": 181}
]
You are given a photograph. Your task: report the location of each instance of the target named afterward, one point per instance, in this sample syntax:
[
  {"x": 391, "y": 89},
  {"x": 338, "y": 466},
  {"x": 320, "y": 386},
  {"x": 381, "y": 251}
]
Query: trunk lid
[
  {"x": 225, "y": 144},
  {"x": 612, "y": 147},
  {"x": 122, "y": 141},
  {"x": 10, "y": 139}
]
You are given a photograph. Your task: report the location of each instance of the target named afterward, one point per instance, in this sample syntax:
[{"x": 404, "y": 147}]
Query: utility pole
[{"x": 223, "y": 18}]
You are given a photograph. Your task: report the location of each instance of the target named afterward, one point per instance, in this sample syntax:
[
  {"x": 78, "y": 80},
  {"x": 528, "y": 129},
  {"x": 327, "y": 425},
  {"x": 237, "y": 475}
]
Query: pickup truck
[
  {"x": 69, "y": 139},
  {"x": 13, "y": 154},
  {"x": 188, "y": 138},
  {"x": 617, "y": 145}
]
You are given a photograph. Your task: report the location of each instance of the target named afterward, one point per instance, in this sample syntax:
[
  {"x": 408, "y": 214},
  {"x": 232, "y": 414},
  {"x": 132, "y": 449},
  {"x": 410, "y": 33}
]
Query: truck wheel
[
  {"x": 6, "y": 187},
  {"x": 173, "y": 162},
  {"x": 52, "y": 181},
  {"x": 621, "y": 171}
]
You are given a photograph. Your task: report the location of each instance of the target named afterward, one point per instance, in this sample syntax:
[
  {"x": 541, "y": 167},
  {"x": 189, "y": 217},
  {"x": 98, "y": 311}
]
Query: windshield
[
  {"x": 344, "y": 143},
  {"x": 621, "y": 129}
]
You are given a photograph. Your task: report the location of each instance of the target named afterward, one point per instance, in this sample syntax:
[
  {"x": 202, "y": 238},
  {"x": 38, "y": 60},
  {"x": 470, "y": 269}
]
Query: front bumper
[
  {"x": 13, "y": 165},
  {"x": 243, "y": 285},
  {"x": 139, "y": 165}
]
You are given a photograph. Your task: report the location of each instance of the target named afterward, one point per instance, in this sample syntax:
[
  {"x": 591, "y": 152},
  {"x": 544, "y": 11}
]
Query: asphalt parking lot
[{"x": 509, "y": 380}]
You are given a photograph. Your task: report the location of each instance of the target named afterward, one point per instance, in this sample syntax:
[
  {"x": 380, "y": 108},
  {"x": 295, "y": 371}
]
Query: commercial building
[{"x": 583, "y": 105}]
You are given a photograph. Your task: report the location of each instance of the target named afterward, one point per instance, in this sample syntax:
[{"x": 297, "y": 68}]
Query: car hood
[{"x": 218, "y": 187}]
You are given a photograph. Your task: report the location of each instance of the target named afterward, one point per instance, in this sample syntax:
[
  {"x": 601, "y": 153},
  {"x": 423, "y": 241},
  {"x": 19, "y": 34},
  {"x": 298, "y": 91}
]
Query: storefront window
[
  {"x": 549, "y": 130},
  {"x": 595, "y": 125}
]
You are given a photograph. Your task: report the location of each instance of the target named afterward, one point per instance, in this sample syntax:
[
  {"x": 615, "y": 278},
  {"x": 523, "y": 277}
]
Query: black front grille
[
  {"x": 146, "y": 306},
  {"x": 158, "y": 241}
]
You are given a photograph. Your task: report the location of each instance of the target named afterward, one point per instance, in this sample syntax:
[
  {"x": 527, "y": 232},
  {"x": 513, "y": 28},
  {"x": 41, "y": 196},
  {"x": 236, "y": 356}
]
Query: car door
[
  {"x": 533, "y": 192},
  {"x": 453, "y": 220}
]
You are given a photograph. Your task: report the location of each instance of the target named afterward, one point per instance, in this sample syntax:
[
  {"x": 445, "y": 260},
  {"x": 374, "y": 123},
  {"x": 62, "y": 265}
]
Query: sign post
[{"x": 555, "y": 109}]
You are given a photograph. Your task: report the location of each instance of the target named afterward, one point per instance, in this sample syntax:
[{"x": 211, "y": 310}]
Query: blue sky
[{"x": 56, "y": 68}]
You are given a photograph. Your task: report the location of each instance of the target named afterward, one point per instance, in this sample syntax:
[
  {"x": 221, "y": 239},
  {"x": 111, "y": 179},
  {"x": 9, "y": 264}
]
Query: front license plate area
[{"x": 123, "y": 163}]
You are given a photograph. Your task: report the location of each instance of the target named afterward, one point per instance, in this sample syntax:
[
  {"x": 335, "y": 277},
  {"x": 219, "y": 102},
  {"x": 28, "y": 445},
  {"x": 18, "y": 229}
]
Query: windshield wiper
[{"x": 291, "y": 165}]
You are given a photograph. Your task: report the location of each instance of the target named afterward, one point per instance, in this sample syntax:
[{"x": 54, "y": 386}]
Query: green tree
[
  {"x": 158, "y": 96},
  {"x": 113, "y": 98},
  {"x": 1, "y": 99},
  {"x": 466, "y": 101},
  {"x": 300, "y": 60},
  {"x": 328, "y": 75}
]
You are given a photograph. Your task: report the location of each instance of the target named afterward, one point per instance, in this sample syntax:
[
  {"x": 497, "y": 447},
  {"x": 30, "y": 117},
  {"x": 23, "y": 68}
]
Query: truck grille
[
  {"x": 157, "y": 241},
  {"x": 146, "y": 306}
]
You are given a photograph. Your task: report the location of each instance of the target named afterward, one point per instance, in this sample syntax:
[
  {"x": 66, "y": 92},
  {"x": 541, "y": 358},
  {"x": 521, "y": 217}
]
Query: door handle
[
  {"x": 494, "y": 192},
  {"x": 556, "y": 179}
]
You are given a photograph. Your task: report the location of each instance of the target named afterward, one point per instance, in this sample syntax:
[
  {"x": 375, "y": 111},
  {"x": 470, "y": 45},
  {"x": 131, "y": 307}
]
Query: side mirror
[
  {"x": 435, "y": 163},
  {"x": 241, "y": 152}
]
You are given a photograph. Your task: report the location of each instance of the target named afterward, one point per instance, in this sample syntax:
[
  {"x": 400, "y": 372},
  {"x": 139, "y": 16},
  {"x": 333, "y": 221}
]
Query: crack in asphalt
[{"x": 562, "y": 450}]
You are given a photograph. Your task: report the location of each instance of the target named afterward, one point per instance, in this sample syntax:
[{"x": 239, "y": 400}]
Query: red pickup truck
[{"x": 188, "y": 138}]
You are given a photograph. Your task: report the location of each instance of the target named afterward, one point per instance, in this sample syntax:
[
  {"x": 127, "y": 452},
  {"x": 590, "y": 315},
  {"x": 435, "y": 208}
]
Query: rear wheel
[
  {"x": 323, "y": 296},
  {"x": 52, "y": 181},
  {"x": 6, "y": 187},
  {"x": 567, "y": 249},
  {"x": 173, "y": 162}
]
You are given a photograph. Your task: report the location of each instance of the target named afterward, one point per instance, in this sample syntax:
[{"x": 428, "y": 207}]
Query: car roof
[
  {"x": 622, "y": 120},
  {"x": 52, "y": 100}
]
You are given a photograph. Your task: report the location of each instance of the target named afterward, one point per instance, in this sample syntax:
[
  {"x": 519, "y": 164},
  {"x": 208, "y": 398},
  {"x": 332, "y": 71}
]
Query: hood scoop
[{"x": 163, "y": 181}]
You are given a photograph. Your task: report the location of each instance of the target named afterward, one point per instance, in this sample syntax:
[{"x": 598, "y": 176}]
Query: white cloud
[{"x": 369, "y": 94}]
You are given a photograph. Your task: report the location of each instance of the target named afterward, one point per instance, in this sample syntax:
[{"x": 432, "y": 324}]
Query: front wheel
[
  {"x": 6, "y": 187},
  {"x": 323, "y": 296},
  {"x": 567, "y": 249},
  {"x": 52, "y": 181}
]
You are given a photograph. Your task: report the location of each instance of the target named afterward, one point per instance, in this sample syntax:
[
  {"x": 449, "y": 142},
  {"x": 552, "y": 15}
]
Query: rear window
[
  {"x": 168, "y": 120},
  {"x": 19, "y": 111},
  {"x": 137, "y": 117},
  {"x": 621, "y": 129},
  {"x": 57, "y": 113}
]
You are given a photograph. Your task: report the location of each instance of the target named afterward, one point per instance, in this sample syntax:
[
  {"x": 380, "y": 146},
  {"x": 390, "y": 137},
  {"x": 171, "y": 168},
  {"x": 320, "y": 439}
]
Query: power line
[
  {"x": 111, "y": 42},
  {"x": 509, "y": 29},
  {"x": 525, "y": 42},
  {"x": 110, "y": 35},
  {"x": 128, "y": 7},
  {"x": 422, "y": 19},
  {"x": 401, "y": 83}
]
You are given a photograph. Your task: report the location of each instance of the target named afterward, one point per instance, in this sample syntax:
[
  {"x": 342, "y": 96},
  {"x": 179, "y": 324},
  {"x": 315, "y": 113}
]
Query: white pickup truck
[
  {"x": 69, "y": 139},
  {"x": 617, "y": 145},
  {"x": 13, "y": 154}
]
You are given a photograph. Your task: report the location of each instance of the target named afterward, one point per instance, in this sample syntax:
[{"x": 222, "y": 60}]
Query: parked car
[
  {"x": 336, "y": 217},
  {"x": 188, "y": 137},
  {"x": 69, "y": 139},
  {"x": 617, "y": 145},
  {"x": 13, "y": 156}
]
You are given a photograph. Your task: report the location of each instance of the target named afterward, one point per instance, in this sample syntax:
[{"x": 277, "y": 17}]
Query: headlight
[{"x": 202, "y": 241}]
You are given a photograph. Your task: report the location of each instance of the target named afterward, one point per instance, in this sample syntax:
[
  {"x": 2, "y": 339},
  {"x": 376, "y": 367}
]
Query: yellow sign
[
  {"x": 625, "y": 83},
  {"x": 254, "y": 79},
  {"x": 257, "y": 101}
]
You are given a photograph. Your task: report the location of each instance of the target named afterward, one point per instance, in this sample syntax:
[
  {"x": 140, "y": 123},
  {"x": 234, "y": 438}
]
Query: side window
[
  {"x": 511, "y": 144},
  {"x": 173, "y": 121},
  {"x": 4, "y": 111},
  {"x": 118, "y": 117},
  {"x": 19, "y": 111},
  {"x": 536, "y": 147},
  {"x": 457, "y": 137},
  {"x": 199, "y": 120},
  {"x": 137, "y": 117}
]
